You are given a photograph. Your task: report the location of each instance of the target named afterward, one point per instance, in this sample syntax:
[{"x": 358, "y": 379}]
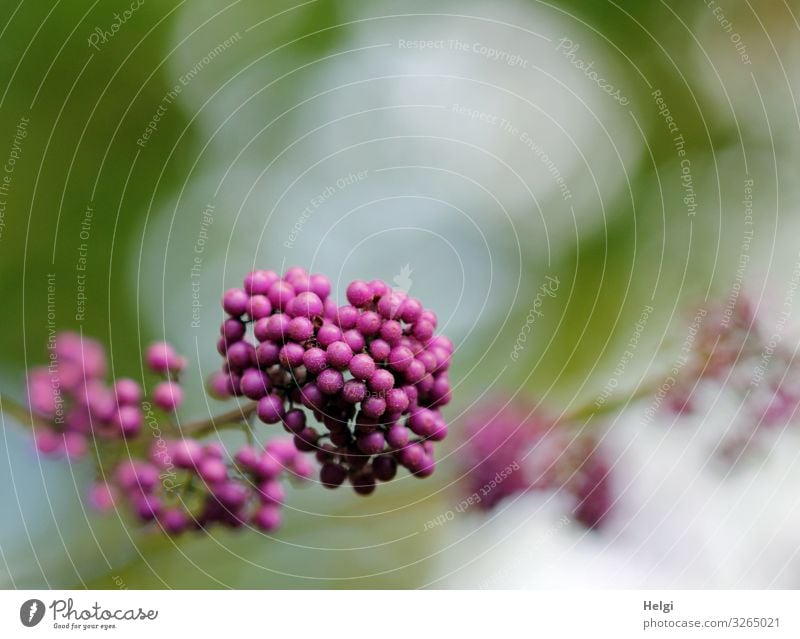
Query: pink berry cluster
[
  {"x": 734, "y": 350},
  {"x": 513, "y": 449},
  {"x": 180, "y": 484},
  {"x": 372, "y": 372},
  {"x": 185, "y": 485},
  {"x": 73, "y": 402}
]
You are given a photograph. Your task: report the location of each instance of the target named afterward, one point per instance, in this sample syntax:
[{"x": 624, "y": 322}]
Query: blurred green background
[{"x": 307, "y": 93}]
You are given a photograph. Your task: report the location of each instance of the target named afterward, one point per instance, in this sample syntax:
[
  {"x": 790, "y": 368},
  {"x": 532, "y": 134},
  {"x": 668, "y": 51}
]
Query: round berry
[
  {"x": 362, "y": 366},
  {"x": 315, "y": 360},
  {"x": 167, "y": 396},
  {"x": 384, "y": 467},
  {"x": 328, "y": 334},
  {"x": 368, "y": 323},
  {"x": 307, "y": 304},
  {"x": 270, "y": 409},
  {"x": 300, "y": 329},
  {"x": 234, "y": 301},
  {"x": 332, "y": 475},
  {"x": 359, "y": 293},
  {"x": 259, "y": 282},
  {"x": 254, "y": 383},
  {"x": 258, "y": 307},
  {"x": 291, "y": 355},
  {"x": 330, "y": 381},
  {"x": 354, "y": 391},
  {"x": 339, "y": 355}
]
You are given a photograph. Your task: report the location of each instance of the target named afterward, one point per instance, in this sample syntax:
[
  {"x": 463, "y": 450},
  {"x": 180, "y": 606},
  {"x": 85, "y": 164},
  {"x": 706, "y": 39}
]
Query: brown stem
[{"x": 202, "y": 427}]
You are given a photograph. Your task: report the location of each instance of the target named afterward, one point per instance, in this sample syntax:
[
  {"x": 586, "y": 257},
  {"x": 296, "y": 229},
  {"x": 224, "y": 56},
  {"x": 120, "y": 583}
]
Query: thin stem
[
  {"x": 582, "y": 413},
  {"x": 19, "y": 412},
  {"x": 236, "y": 416}
]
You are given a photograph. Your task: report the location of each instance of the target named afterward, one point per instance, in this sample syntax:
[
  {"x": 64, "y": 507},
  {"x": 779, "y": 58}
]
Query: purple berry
[
  {"x": 267, "y": 354},
  {"x": 315, "y": 360},
  {"x": 380, "y": 381},
  {"x": 359, "y": 293},
  {"x": 320, "y": 285},
  {"x": 368, "y": 323},
  {"x": 332, "y": 475},
  {"x": 328, "y": 334},
  {"x": 339, "y": 355},
  {"x": 373, "y": 406},
  {"x": 397, "y": 436},
  {"x": 346, "y": 317},
  {"x": 127, "y": 391},
  {"x": 240, "y": 355},
  {"x": 379, "y": 350},
  {"x": 371, "y": 443},
  {"x": 254, "y": 383},
  {"x": 291, "y": 355},
  {"x": 362, "y": 366},
  {"x": 397, "y": 401},
  {"x": 354, "y": 391},
  {"x": 400, "y": 358},
  {"x": 300, "y": 329},
  {"x": 330, "y": 381},
  {"x": 259, "y": 282},
  {"x": 270, "y": 409},
  {"x": 280, "y": 294},
  {"x": 259, "y": 307},
  {"x": 384, "y": 467},
  {"x": 295, "y": 421},
  {"x": 167, "y": 396},
  {"x": 307, "y": 305},
  {"x": 162, "y": 358},
  {"x": 267, "y": 518},
  {"x": 354, "y": 339},
  {"x": 234, "y": 301},
  {"x": 391, "y": 332}
]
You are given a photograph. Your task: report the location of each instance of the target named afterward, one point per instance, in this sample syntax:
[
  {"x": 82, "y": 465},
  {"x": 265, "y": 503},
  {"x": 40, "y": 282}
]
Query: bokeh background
[{"x": 530, "y": 141}]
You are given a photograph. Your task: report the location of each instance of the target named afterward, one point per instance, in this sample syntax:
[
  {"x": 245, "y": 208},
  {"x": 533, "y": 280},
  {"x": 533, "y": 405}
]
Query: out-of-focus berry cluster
[
  {"x": 513, "y": 449},
  {"x": 372, "y": 373},
  {"x": 732, "y": 350},
  {"x": 180, "y": 484},
  {"x": 73, "y": 402},
  {"x": 185, "y": 485}
]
